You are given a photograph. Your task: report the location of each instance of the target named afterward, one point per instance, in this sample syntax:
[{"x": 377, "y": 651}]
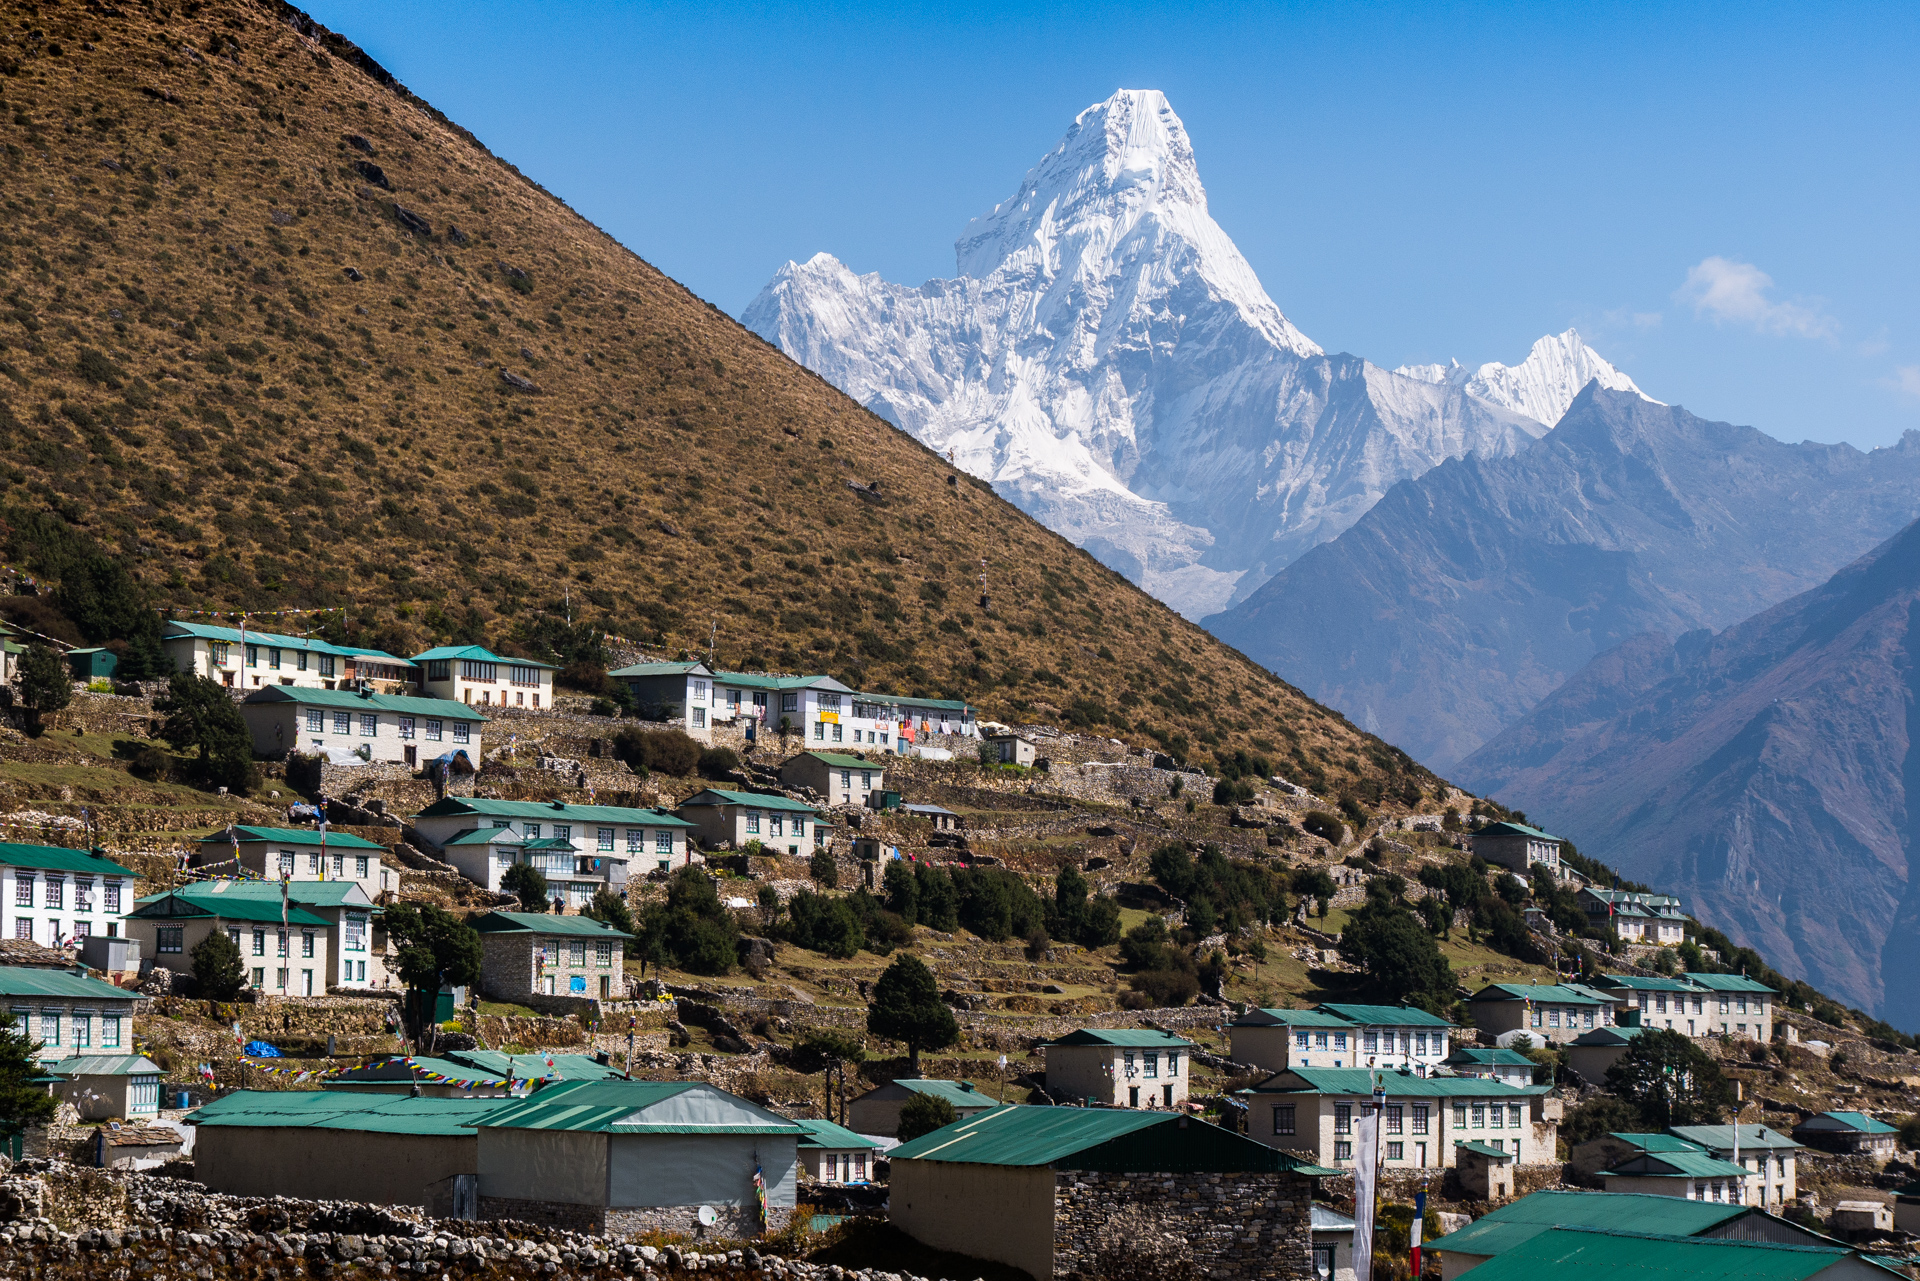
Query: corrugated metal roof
[
  {"x": 542, "y": 923},
  {"x": 55, "y": 858},
  {"x": 1720, "y": 1137},
  {"x": 1731, "y": 983},
  {"x": 485, "y": 836},
  {"x": 1385, "y": 1015},
  {"x": 1501, "y": 1230},
  {"x": 1130, "y": 1038},
  {"x": 444, "y": 709},
  {"x": 1484, "y": 1150},
  {"x": 1514, "y": 829},
  {"x": 1620, "y": 1034},
  {"x": 661, "y": 669},
  {"x": 347, "y": 1110},
  {"x": 177, "y": 906},
  {"x": 1552, "y": 993},
  {"x": 551, "y": 810},
  {"x": 1655, "y": 1142},
  {"x": 1638, "y": 983},
  {"x": 478, "y": 653},
  {"x": 1692, "y": 1163},
  {"x": 102, "y": 1065},
  {"x": 1598, "y": 1254},
  {"x": 1489, "y": 1058},
  {"x": 1843, "y": 1121},
  {"x": 20, "y": 980},
  {"x": 721, "y": 796},
  {"x": 417, "y": 1068},
  {"x": 1096, "y": 1138},
  {"x": 293, "y": 836},
  {"x": 523, "y": 1067},
  {"x": 1291, "y": 1018},
  {"x": 760, "y": 680},
  {"x": 958, "y": 1093},
  {"x": 1360, "y": 1081},
  {"x": 312, "y": 893},
  {"x": 618, "y": 1107},
  {"x": 903, "y": 700},
  {"x": 825, "y": 1134},
  {"x": 839, "y": 761}
]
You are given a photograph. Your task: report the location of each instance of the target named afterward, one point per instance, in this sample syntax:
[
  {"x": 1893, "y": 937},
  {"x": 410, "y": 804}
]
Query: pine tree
[
  {"x": 21, "y": 1104},
  {"x": 907, "y": 1007},
  {"x": 217, "y": 969}
]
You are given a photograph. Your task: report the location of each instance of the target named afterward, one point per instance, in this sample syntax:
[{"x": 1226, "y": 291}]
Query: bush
[
  {"x": 151, "y": 764},
  {"x": 670, "y": 751},
  {"x": 303, "y": 773},
  {"x": 824, "y": 870},
  {"x": 530, "y": 883},
  {"x": 822, "y": 924},
  {"x": 923, "y": 1114},
  {"x": 1167, "y": 987},
  {"x": 218, "y": 972},
  {"x": 717, "y": 762},
  {"x": 1325, "y": 826}
]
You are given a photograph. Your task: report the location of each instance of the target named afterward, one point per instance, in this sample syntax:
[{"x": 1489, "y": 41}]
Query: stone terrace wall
[{"x": 1239, "y": 1226}]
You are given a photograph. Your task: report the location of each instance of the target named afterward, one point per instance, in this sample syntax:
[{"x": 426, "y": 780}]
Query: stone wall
[{"x": 1245, "y": 1225}]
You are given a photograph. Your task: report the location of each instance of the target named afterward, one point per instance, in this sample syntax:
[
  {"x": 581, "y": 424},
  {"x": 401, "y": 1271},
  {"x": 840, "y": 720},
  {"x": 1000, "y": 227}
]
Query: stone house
[
  {"x": 625, "y": 1158},
  {"x": 1773, "y": 1157},
  {"x": 843, "y": 780},
  {"x": 1549, "y": 1013},
  {"x": 600, "y": 846},
  {"x": 1740, "y": 1006},
  {"x": 1332, "y": 1244},
  {"x": 1338, "y": 1034},
  {"x": 1637, "y": 917},
  {"x": 1609, "y": 1150},
  {"x": 878, "y": 1110},
  {"x": 1509, "y": 1066},
  {"x": 259, "y": 660},
  {"x": 1591, "y": 1054},
  {"x": 123, "y": 1087},
  {"x": 133, "y": 1146},
  {"x": 327, "y": 941},
  {"x": 68, "y": 1012},
  {"x": 1676, "y": 1004},
  {"x": 337, "y": 1145},
  {"x": 678, "y": 694},
  {"x": 1011, "y": 749},
  {"x": 895, "y": 722},
  {"x": 1850, "y": 1133},
  {"x": 832, "y": 1153},
  {"x": 476, "y": 676},
  {"x": 1688, "y": 1172},
  {"x": 725, "y": 819},
  {"x": 1312, "y": 1112},
  {"x": 1124, "y": 1067},
  {"x": 817, "y": 709},
  {"x": 299, "y": 854},
  {"x": 943, "y": 820},
  {"x": 526, "y": 953},
  {"x": 1517, "y": 847},
  {"x": 377, "y": 728},
  {"x": 57, "y": 896},
  {"x": 1049, "y": 1189}
]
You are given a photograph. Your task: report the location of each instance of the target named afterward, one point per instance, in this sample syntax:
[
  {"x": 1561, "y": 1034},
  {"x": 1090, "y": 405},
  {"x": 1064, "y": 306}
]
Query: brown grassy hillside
[{"x": 276, "y": 334}]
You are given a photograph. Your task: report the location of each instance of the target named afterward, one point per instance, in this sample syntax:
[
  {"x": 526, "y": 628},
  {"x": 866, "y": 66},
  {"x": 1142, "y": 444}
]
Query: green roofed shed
[
  {"x": 1599, "y": 1254},
  {"x": 1520, "y": 1221}
]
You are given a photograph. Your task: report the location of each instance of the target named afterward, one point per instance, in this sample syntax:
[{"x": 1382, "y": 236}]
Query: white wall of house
[
  {"x": 66, "y": 1027},
  {"x": 256, "y": 665},
  {"x": 274, "y": 859},
  {"x": 627, "y": 849},
  {"x": 488, "y": 682},
  {"x": 409, "y": 739},
  {"x": 1123, "y": 1076},
  {"x": 42, "y": 905},
  {"x": 1415, "y": 1132}
]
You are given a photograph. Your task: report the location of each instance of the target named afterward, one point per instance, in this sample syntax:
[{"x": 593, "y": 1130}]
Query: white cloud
[
  {"x": 1736, "y": 292},
  {"x": 1906, "y": 380}
]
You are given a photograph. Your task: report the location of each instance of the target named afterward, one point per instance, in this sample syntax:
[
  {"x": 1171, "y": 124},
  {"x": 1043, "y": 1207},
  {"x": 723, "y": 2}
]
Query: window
[
  {"x": 1553, "y": 1016},
  {"x": 636, "y": 839},
  {"x": 1459, "y": 1116},
  {"x": 360, "y": 867},
  {"x": 776, "y": 824},
  {"x": 1283, "y": 1118},
  {"x": 837, "y": 737},
  {"x": 1496, "y": 1116},
  {"x": 866, "y": 780},
  {"x": 343, "y": 722},
  {"x": 339, "y": 866},
  {"x": 316, "y": 720},
  {"x": 433, "y": 731},
  {"x": 603, "y": 839},
  {"x": 1396, "y": 1151},
  {"x": 406, "y": 727},
  {"x": 221, "y": 653},
  {"x": 280, "y": 978},
  {"x": 286, "y": 862},
  {"x": 1151, "y": 1060},
  {"x": 533, "y": 831},
  {"x": 563, "y": 831},
  {"x": 603, "y": 954},
  {"x": 1513, "y": 1116},
  {"x": 233, "y": 932},
  {"x": 1396, "y": 1118},
  {"x": 662, "y": 841},
  {"x": 260, "y": 977},
  {"x": 576, "y": 952},
  {"x": 356, "y": 934},
  {"x": 523, "y": 675},
  {"x": 699, "y": 691},
  {"x": 1339, "y": 1040},
  {"x": 1439, "y": 1042},
  {"x": 439, "y": 669},
  {"x": 259, "y": 942},
  {"x": 1536, "y": 1016},
  {"x": 1173, "y": 1063},
  {"x": 1419, "y": 1118},
  {"x": 326, "y": 664},
  {"x": 306, "y": 943},
  {"x": 1371, "y": 1041},
  {"x": 1300, "y": 1039},
  {"x": 50, "y": 1027},
  {"x": 253, "y": 656},
  {"x": 819, "y": 729},
  {"x": 168, "y": 938},
  {"x": 699, "y": 718},
  {"x": 1320, "y": 1040},
  {"x": 753, "y": 821},
  {"x": 1342, "y": 1150},
  {"x": 1419, "y": 1042},
  {"x": 23, "y": 928},
  {"x": 56, "y": 891},
  {"x": 369, "y": 725},
  {"x": 82, "y": 1029},
  {"x": 110, "y": 1031},
  {"x": 273, "y": 658},
  {"x": 461, "y": 732},
  {"x": 1479, "y": 1116},
  {"x": 23, "y": 891},
  {"x": 1587, "y": 1016},
  {"x": 484, "y": 673},
  {"x": 1343, "y": 1118},
  {"x": 280, "y": 945}
]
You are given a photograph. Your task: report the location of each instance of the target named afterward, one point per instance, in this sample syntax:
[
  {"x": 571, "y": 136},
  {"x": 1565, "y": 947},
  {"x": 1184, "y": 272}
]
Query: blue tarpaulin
[{"x": 261, "y": 1050}]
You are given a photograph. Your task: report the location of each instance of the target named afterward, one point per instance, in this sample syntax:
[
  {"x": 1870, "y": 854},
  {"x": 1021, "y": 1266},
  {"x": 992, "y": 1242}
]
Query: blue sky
[{"x": 1724, "y": 200}]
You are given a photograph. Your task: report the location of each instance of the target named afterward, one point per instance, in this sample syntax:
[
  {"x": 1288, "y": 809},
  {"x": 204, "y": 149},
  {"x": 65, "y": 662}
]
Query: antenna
[{"x": 712, "y": 636}]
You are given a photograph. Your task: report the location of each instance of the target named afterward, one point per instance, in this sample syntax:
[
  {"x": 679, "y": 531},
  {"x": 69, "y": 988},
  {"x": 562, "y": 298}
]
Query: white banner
[{"x": 1366, "y": 1171}]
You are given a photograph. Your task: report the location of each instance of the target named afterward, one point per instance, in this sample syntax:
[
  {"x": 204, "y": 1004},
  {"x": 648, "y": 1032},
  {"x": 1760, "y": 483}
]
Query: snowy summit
[{"x": 1106, "y": 358}]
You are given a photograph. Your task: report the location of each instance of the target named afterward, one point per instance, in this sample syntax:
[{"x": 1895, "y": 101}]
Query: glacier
[{"x": 1110, "y": 362}]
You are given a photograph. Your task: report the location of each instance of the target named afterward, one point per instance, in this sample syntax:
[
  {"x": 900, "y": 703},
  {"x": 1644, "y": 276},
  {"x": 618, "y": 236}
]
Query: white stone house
[
  {"x": 1011, "y": 749},
  {"x": 580, "y": 849},
  {"x": 56, "y": 896},
  {"x": 678, "y": 694},
  {"x": 733, "y": 820},
  {"x": 476, "y": 676},
  {"x": 843, "y": 780},
  {"x": 298, "y": 854},
  {"x": 378, "y": 728},
  {"x": 895, "y": 722},
  {"x": 1313, "y": 1112},
  {"x": 323, "y": 940},
  {"x": 1125, "y": 1067},
  {"x": 1341, "y": 1035},
  {"x": 1549, "y": 1013},
  {"x": 1517, "y": 847},
  {"x": 832, "y": 1153},
  {"x": 1738, "y": 1005},
  {"x": 68, "y": 1012},
  {"x": 256, "y": 660},
  {"x": 539, "y": 953},
  {"x": 1772, "y": 1157}
]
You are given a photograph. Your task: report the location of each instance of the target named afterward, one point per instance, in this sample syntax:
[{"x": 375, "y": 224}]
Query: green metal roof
[
  {"x": 1382, "y": 1015},
  {"x": 1489, "y": 1058},
  {"x": 751, "y": 799},
  {"x": 426, "y": 1070},
  {"x": 1121, "y": 1139},
  {"x": 906, "y": 700},
  {"x": 211, "y": 894},
  {"x": 272, "y": 640},
  {"x": 1483, "y": 1150},
  {"x": 1509, "y": 1226},
  {"x": 1515, "y": 829},
  {"x": 1549, "y": 993},
  {"x": 348, "y": 1110},
  {"x": 958, "y": 1093},
  {"x": 825, "y": 1134},
  {"x": 1858, "y": 1121},
  {"x": 1692, "y": 1163},
  {"x": 293, "y": 836},
  {"x": 838, "y": 761},
  {"x": 525, "y": 1067},
  {"x": 1359, "y": 1082},
  {"x": 444, "y": 709},
  {"x": 551, "y": 811},
  {"x": 179, "y": 906},
  {"x": 1730, "y": 983},
  {"x": 1638, "y": 983},
  {"x": 1600, "y": 1254},
  {"x": 484, "y": 836},
  {"x": 541, "y": 923},
  {"x": 1292, "y": 1018},
  {"x": 479, "y": 654},
  {"x": 1619, "y": 1034},
  {"x": 56, "y": 858},
  {"x": 618, "y": 1107},
  {"x": 1128, "y": 1038},
  {"x": 102, "y": 1065},
  {"x": 1655, "y": 1142},
  {"x": 20, "y": 980},
  {"x": 661, "y": 669},
  {"x": 1719, "y": 1138},
  {"x": 760, "y": 680}
]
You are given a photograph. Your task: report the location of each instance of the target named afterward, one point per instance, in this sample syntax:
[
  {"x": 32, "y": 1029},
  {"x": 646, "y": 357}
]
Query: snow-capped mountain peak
[{"x": 1541, "y": 386}]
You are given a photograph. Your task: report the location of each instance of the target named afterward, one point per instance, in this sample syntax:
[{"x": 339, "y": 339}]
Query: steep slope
[
  {"x": 1468, "y": 595},
  {"x": 1110, "y": 362},
  {"x": 1541, "y": 386},
  {"x": 278, "y": 335},
  {"x": 1767, "y": 774}
]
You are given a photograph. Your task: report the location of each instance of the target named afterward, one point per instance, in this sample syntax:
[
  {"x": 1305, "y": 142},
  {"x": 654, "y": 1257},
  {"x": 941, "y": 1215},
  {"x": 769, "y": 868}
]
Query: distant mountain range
[
  {"x": 1106, "y": 357},
  {"x": 1768, "y": 774},
  {"x": 1468, "y": 594}
]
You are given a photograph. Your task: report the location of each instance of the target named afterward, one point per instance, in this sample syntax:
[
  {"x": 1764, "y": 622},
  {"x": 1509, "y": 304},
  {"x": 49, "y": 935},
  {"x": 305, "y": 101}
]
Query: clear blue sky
[{"x": 1725, "y": 200}]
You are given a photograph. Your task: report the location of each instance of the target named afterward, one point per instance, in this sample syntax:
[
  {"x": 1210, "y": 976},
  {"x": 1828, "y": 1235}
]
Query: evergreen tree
[
  {"x": 217, "y": 969},
  {"x": 1671, "y": 1080},
  {"x": 906, "y": 1007},
  {"x": 1402, "y": 960},
  {"x": 923, "y": 1114},
  {"x": 21, "y": 1104},
  {"x": 201, "y": 716},
  {"x": 529, "y": 882},
  {"x": 426, "y": 947},
  {"x": 46, "y": 685}
]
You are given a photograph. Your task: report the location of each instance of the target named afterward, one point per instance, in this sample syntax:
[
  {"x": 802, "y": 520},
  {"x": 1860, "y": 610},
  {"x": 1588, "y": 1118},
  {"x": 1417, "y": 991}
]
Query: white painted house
[
  {"x": 57, "y": 896},
  {"x": 340, "y": 723},
  {"x": 580, "y": 849},
  {"x": 475, "y": 675},
  {"x": 256, "y": 660}
]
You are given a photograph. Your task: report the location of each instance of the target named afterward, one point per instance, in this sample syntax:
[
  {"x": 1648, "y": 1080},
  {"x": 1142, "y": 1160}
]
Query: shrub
[
  {"x": 530, "y": 883},
  {"x": 218, "y": 972},
  {"x": 823, "y": 869},
  {"x": 1167, "y": 987},
  {"x": 825, "y": 925},
  {"x": 1325, "y": 826},
  {"x": 717, "y": 762},
  {"x": 303, "y": 773},
  {"x": 670, "y": 751},
  {"x": 923, "y": 1114}
]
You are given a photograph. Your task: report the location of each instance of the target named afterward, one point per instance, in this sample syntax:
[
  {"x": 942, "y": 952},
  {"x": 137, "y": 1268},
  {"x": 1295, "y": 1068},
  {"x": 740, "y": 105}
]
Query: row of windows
[
  {"x": 1376, "y": 1042},
  {"x": 296, "y": 657},
  {"x": 1150, "y": 1062},
  {"x": 370, "y": 726},
  {"x": 603, "y": 837},
  {"x": 362, "y": 864},
  {"x": 77, "y": 1026},
  {"x": 55, "y": 893},
  {"x": 1413, "y": 1118},
  {"x": 1659, "y": 1003},
  {"x": 23, "y": 929},
  {"x": 776, "y": 824},
  {"x": 280, "y": 941},
  {"x": 576, "y": 953},
  {"x": 1574, "y": 1017}
]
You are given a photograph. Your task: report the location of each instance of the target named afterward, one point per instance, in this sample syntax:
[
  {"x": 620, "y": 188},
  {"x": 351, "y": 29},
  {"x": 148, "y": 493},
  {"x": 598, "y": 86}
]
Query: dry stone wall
[{"x": 1233, "y": 1227}]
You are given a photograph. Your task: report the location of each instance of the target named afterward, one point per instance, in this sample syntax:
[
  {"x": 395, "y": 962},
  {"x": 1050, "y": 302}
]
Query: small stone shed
[
  {"x": 1048, "y": 1189},
  {"x": 524, "y": 953},
  {"x": 878, "y": 1110},
  {"x": 1853, "y": 1133},
  {"x": 625, "y": 1158},
  {"x": 336, "y": 1145},
  {"x": 842, "y": 779},
  {"x": 1011, "y": 749}
]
